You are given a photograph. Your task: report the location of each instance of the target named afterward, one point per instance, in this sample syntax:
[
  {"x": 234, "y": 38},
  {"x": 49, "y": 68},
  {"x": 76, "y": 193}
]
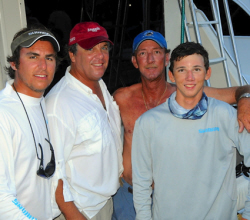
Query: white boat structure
[{"x": 228, "y": 54}]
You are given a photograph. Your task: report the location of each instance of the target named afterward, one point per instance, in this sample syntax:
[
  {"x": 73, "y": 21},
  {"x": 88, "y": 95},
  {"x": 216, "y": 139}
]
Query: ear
[
  {"x": 167, "y": 59},
  {"x": 208, "y": 74},
  {"x": 72, "y": 57},
  {"x": 171, "y": 76},
  {"x": 13, "y": 65},
  {"x": 134, "y": 61}
]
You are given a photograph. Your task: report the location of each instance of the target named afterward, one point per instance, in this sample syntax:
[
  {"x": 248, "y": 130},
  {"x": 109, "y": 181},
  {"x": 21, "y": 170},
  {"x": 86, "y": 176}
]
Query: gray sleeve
[
  {"x": 142, "y": 171},
  {"x": 242, "y": 142},
  {"x": 243, "y": 147},
  {"x": 246, "y": 213}
]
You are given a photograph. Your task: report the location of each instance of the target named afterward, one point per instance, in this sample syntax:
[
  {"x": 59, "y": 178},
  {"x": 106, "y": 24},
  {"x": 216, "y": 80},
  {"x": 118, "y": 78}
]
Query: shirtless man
[{"x": 151, "y": 56}]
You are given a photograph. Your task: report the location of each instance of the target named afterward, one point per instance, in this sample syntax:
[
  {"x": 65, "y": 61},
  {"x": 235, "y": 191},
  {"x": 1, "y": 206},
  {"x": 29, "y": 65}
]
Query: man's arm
[
  {"x": 232, "y": 95},
  {"x": 62, "y": 139},
  {"x": 10, "y": 207},
  {"x": 142, "y": 173},
  {"x": 69, "y": 210},
  {"x": 241, "y": 141}
]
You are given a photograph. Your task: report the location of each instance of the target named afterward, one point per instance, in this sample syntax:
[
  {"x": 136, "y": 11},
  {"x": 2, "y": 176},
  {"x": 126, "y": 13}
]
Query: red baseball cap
[{"x": 88, "y": 34}]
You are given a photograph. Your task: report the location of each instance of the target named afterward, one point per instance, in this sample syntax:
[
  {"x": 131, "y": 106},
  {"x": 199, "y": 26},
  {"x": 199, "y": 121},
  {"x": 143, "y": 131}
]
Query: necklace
[{"x": 146, "y": 106}]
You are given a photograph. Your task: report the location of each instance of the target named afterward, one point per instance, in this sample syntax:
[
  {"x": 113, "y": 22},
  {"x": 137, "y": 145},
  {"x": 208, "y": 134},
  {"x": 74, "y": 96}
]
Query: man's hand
[
  {"x": 243, "y": 112},
  {"x": 68, "y": 209}
]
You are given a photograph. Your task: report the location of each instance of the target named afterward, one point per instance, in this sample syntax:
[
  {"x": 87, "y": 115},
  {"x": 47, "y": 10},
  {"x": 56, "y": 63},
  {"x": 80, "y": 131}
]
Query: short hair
[
  {"x": 16, "y": 54},
  {"x": 73, "y": 49},
  {"x": 186, "y": 49}
]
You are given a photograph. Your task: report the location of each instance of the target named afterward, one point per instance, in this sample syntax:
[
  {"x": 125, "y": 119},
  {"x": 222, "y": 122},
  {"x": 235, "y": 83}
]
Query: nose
[
  {"x": 43, "y": 63},
  {"x": 150, "y": 58},
  {"x": 190, "y": 75},
  {"x": 99, "y": 53}
]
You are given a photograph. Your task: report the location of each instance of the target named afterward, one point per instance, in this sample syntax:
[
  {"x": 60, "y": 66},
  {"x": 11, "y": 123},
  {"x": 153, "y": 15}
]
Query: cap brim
[
  {"x": 91, "y": 42},
  {"x": 30, "y": 42},
  {"x": 27, "y": 40},
  {"x": 148, "y": 38}
]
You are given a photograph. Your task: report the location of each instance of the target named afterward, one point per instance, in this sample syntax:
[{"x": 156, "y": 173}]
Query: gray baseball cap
[{"x": 28, "y": 38}]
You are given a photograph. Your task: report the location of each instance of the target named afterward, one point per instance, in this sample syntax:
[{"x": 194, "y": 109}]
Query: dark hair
[
  {"x": 186, "y": 49},
  {"x": 72, "y": 48},
  {"x": 16, "y": 55}
]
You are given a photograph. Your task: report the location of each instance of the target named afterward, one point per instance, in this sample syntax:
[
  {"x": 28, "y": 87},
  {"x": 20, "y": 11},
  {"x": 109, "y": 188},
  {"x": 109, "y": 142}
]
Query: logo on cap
[
  {"x": 149, "y": 33},
  {"x": 38, "y": 32},
  {"x": 71, "y": 39},
  {"x": 94, "y": 29}
]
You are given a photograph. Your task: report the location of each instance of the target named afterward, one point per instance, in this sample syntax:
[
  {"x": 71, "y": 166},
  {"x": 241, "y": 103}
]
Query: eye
[
  {"x": 197, "y": 69},
  {"x": 180, "y": 70},
  {"x": 106, "y": 48},
  {"x": 142, "y": 53},
  {"x": 33, "y": 57},
  {"x": 157, "y": 51},
  {"x": 50, "y": 58}
]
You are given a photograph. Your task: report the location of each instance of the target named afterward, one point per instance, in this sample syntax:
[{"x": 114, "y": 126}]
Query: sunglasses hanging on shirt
[{"x": 51, "y": 166}]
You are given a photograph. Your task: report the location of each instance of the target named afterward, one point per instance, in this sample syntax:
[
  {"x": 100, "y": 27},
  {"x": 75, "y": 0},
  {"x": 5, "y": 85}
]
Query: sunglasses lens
[
  {"x": 41, "y": 173},
  {"x": 50, "y": 169},
  {"x": 48, "y": 172},
  {"x": 51, "y": 166}
]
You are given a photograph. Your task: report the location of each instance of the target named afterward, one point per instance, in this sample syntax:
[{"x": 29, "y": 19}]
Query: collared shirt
[
  {"x": 87, "y": 143},
  {"x": 23, "y": 194}
]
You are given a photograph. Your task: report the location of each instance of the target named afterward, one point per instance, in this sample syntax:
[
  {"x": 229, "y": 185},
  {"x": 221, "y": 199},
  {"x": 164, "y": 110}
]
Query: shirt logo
[
  {"x": 209, "y": 130},
  {"x": 26, "y": 213}
]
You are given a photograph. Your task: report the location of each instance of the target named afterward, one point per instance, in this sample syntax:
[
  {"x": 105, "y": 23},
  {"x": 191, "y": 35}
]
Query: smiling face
[
  {"x": 89, "y": 66},
  {"x": 189, "y": 74},
  {"x": 151, "y": 60},
  {"x": 36, "y": 69}
]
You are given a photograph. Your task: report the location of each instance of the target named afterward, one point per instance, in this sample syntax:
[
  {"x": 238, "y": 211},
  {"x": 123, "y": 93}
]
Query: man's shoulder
[
  {"x": 9, "y": 109},
  {"x": 59, "y": 90},
  {"x": 59, "y": 98},
  {"x": 126, "y": 93},
  {"x": 220, "y": 108},
  {"x": 7, "y": 102},
  {"x": 218, "y": 103}
]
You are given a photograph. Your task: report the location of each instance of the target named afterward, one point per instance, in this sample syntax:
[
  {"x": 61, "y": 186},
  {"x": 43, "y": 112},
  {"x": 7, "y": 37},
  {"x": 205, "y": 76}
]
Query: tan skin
[
  {"x": 37, "y": 65},
  {"x": 131, "y": 103},
  {"x": 88, "y": 66}
]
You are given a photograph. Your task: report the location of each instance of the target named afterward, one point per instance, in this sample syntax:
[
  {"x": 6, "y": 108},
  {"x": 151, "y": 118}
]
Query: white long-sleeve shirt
[
  {"x": 87, "y": 143},
  {"x": 23, "y": 194}
]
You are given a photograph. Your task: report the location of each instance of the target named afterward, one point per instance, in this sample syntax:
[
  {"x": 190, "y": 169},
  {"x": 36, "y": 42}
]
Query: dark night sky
[
  {"x": 105, "y": 13},
  {"x": 106, "y": 10}
]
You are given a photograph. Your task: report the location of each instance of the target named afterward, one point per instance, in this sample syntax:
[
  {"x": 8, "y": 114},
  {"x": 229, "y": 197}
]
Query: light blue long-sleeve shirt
[{"x": 192, "y": 164}]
